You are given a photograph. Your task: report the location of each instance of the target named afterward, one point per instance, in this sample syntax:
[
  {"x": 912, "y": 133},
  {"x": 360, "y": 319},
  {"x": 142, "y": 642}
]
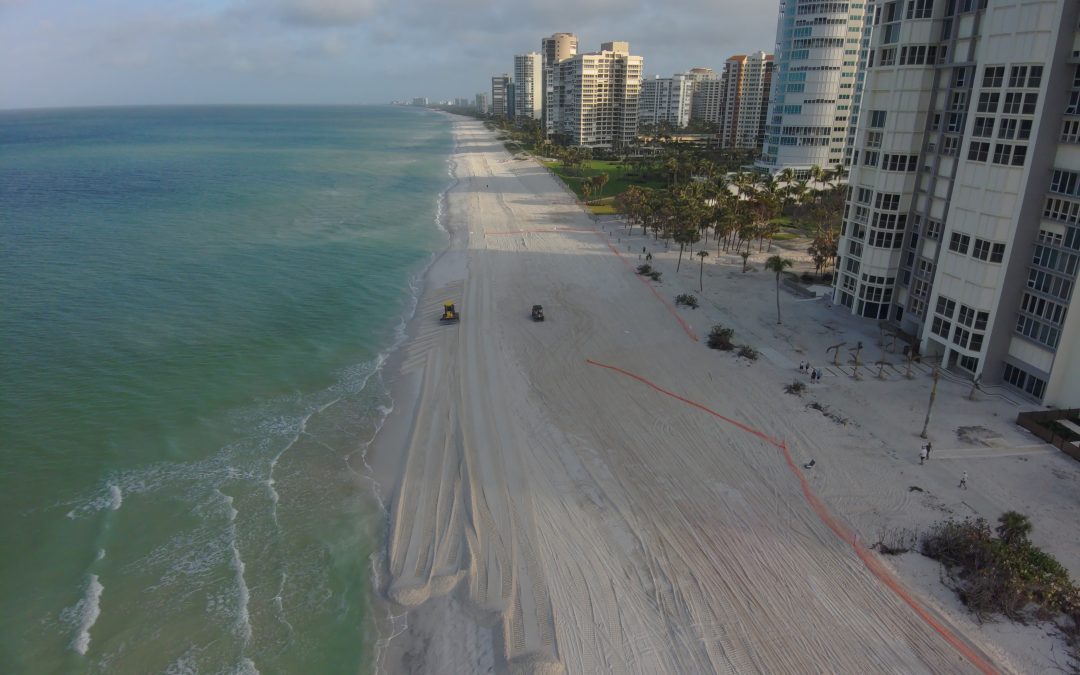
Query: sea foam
[{"x": 85, "y": 613}]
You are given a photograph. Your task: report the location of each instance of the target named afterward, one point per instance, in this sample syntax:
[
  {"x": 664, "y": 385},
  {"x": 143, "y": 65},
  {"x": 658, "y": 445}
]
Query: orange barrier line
[
  {"x": 671, "y": 310},
  {"x": 865, "y": 555}
]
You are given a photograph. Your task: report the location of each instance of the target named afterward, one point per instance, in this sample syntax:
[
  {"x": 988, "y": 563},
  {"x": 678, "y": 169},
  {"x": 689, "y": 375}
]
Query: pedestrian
[
  {"x": 922, "y": 455},
  {"x": 817, "y": 371},
  {"x": 648, "y": 257},
  {"x": 802, "y": 366},
  {"x": 929, "y": 446},
  {"x": 643, "y": 249},
  {"x": 963, "y": 481}
]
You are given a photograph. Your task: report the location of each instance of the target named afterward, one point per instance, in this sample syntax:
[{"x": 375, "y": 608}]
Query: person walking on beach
[
  {"x": 802, "y": 366},
  {"x": 963, "y": 481},
  {"x": 929, "y": 446},
  {"x": 922, "y": 455}
]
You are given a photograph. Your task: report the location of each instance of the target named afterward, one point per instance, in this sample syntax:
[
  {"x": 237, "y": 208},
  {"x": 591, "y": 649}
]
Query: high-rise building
[
  {"x": 810, "y": 107},
  {"x": 554, "y": 49},
  {"x": 963, "y": 221},
  {"x": 665, "y": 100},
  {"x": 599, "y": 97},
  {"x": 528, "y": 86},
  {"x": 744, "y": 100},
  {"x": 502, "y": 104},
  {"x": 482, "y": 104},
  {"x": 705, "y": 99}
]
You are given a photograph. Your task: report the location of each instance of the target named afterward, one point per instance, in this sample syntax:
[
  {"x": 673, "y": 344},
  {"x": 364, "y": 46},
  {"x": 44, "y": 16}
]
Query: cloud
[{"x": 318, "y": 13}]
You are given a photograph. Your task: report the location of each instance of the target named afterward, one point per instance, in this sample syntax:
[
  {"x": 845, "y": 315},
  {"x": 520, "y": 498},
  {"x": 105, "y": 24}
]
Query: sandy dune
[{"x": 592, "y": 521}]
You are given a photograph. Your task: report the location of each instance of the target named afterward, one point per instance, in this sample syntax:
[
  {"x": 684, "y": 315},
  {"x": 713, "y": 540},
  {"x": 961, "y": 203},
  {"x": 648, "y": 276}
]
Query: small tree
[
  {"x": 600, "y": 181},
  {"x": 745, "y": 255},
  {"x": 1013, "y": 528},
  {"x": 701, "y": 271},
  {"x": 778, "y": 265}
]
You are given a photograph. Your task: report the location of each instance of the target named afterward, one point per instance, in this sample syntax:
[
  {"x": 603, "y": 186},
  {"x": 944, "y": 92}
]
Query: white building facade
[
  {"x": 528, "y": 86},
  {"x": 558, "y": 47},
  {"x": 963, "y": 221},
  {"x": 666, "y": 100},
  {"x": 813, "y": 87},
  {"x": 599, "y": 91}
]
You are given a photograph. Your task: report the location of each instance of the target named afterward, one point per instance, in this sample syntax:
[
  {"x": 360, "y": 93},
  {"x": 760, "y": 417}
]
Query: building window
[
  {"x": 981, "y": 250},
  {"x": 978, "y": 152},
  {"x": 933, "y": 229},
  {"x": 988, "y": 102},
  {"x": 1018, "y": 76},
  {"x": 959, "y": 243},
  {"x": 984, "y": 127},
  {"x": 1024, "y": 381},
  {"x": 945, "y": 307},
  {"x": 993, "y": 76},
  {"x": 1034, "y": 77},
  {"x": 997, "y": 253},
  {"x": 919, "y": 9},
  {"x": 950, "y": 145},
  {"x": 1006, "y": 154},
  {"x": 940, "y": 327}
]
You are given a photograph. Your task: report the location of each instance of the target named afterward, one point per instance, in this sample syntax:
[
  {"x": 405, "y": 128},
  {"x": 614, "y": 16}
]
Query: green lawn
[{"x": 618, "y": 181}]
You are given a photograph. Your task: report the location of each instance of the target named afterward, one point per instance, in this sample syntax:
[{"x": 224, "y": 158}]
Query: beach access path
[{"x": 600, "y": 492}]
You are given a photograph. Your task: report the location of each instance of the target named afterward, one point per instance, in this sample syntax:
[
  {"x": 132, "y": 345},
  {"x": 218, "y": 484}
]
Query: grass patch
[
  {"x": 603, "y": 209},
  {"x": 785, "y": 236},
  {"x": 618, "y": 180}
]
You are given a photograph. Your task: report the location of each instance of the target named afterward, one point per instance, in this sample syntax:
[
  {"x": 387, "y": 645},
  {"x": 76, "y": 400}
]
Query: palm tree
[
  {"x": 777, "y": 264},
  {"x": 1014, "y": 528},
  {"x": 600, "y": 180},
  {"x": 701, "y": 272}
]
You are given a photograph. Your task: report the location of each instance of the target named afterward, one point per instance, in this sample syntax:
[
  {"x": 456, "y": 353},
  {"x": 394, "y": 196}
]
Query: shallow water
[{"x": 194, "y": 305}]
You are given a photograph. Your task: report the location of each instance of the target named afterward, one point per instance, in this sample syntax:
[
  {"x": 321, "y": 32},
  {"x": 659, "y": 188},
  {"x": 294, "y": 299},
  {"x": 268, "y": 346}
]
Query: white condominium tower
[
  {"x": 554, "y": 49},
  {"x": 528, "y": 86},
  {"x": 502, "y": 95},
  {"x": 813, "y": 88},
  {"x": 599, "y": 97},
  {"x": 666, "y": 100},
  {"x": 744, "y": 100},
  {"x": 963, "y": 220},
  {"x": 705, "y": 99}
]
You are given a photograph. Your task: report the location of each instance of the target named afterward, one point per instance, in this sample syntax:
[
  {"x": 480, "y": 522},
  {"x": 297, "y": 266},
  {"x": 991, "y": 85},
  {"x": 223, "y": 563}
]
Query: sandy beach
[{"x": 600, "y": 492}]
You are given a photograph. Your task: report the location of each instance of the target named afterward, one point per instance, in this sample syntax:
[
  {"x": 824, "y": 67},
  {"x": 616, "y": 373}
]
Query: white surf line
[
  {"x": 274, "y": 496},
  {"x": 87, "y": 610},
  {"x": 243, "y": 627}
]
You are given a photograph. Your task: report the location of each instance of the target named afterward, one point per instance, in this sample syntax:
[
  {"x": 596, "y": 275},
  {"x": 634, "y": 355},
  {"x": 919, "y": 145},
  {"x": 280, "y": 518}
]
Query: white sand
[{"x": 550, "y": 515}]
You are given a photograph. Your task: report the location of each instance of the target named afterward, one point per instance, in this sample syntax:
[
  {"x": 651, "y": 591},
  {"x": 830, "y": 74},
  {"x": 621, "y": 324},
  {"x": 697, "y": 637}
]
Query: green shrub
[
  {"x": 748, "y": 352},
  {"x": 720, "y": 338},
  {"x": 687, "y": 299}
]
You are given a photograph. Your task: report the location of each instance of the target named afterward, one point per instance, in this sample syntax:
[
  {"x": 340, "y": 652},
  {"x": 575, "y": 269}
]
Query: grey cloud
[{"x": 322, "y": 13}]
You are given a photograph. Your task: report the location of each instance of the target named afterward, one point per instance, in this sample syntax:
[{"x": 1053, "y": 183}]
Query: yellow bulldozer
[{"x": 449, "y": 313}]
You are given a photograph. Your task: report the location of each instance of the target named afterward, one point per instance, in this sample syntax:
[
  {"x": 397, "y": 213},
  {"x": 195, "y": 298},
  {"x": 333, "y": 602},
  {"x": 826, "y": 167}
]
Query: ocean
[{"x": 195, "y": 304}]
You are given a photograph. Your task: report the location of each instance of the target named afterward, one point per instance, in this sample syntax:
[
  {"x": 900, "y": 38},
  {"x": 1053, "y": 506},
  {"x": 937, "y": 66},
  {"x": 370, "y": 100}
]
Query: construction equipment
[
  {"x": 449, "y": 313},
  {"x": 537, "y": 313}
]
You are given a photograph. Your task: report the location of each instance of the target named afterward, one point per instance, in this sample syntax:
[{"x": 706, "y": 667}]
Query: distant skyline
[{"x": 59, "y": 53}]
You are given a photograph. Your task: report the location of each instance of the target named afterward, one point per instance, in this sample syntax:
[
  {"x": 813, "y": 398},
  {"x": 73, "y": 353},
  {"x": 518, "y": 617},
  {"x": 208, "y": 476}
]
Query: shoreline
[
  {"x": 381, "y": 463},
  {"x": 523, "y": 515}
]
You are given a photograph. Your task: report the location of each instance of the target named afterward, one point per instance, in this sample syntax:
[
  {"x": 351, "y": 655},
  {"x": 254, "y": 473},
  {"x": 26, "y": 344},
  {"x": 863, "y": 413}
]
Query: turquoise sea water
[{"x": 194, "y": 303}]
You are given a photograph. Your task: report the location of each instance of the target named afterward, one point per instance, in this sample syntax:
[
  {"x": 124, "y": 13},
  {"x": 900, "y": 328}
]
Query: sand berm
[{"x": 549, "y": 514}]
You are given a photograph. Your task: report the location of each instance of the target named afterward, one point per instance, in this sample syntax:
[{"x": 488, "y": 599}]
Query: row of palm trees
[{"x": 733, "y": 210}]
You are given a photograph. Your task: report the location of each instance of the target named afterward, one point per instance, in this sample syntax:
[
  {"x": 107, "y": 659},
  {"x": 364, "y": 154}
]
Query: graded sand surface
[{"x": 600, "y": 492}]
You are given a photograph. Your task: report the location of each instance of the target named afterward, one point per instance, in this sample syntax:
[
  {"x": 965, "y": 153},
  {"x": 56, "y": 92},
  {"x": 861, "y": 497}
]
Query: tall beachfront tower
[
  {"x": 963, "y": 221},
  {"x": 745, "y": 88},
  {"x": 817, "y": 61},
  {"x": 599, "y": 97},
  {"x": 502, "y": 96},
  {"x": 554, "y": 49},
  {"x": 666, "y": 100},
  {"x": 528, "y": 83}
]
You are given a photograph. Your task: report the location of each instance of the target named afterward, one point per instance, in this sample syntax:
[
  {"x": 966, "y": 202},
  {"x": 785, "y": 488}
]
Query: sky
[{"x": 61, "y": 53}]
